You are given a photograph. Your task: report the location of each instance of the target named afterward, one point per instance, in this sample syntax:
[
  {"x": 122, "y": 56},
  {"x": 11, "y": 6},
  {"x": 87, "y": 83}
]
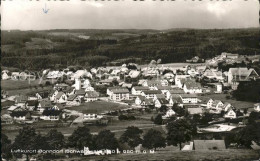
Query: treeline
[{"x": 172, "y": 46}]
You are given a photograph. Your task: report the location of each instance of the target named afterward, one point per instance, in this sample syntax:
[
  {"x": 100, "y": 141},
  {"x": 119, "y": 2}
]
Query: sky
[{"x": 128, "y": 14}]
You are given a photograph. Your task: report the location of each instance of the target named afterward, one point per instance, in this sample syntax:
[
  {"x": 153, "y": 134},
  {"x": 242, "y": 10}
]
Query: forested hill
[{"x": 35, "y": 50}]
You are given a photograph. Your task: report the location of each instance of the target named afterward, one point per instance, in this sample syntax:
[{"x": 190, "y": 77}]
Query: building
[
  {"x": 31, "y": 105},
  {"x": 168, "y": 114},
  {"x": 192, "y": 87},
  {"x": 193, "y": 111},
  {"x": 217, "y": 105},
  {"x": 91, "y": 96},
  {"x": 257, "y": 107},
  {"x": 189, "y": 98},
  {"x": 173, "y": 91},
  {"x": 61, "y": 97},
  {"x": 164, "y": 89},
  {"x": 214, "y": 74},
  {"x": 229, "y": 55},
  {"x": 44, "y": 104},
  {"x": 51, "y": 115},
  {"x": 179, "y": 78},
  {"x": 139, "y": 99},
  {"x": 159, "y": 102},
  {"x": 230, "y": 114},
  {"x": 241, "y": 74},
  {"x": 137, "y": 90},
  {"x": 21, "y": 115},
  {"x": 119, "y": 94},
  {"x": 151, "y": 93},
  {"x": 74, "y": 100}
]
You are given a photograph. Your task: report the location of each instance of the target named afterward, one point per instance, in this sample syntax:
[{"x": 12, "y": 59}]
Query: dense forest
[{"x": 34, "y": 50}]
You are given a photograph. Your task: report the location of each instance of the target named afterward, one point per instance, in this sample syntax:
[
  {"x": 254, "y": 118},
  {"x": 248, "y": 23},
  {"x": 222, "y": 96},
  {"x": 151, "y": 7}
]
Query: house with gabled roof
[
  {"x": 80, "y": 92},
  {"x": 21, "y": 115},
  {"x": 214, "y": 74},
  {"x": 151, "y": 93},
  {"x": 173, "y": 91},
  {"x": 44, "y": 104},
  {"x": 42, "y": 95},
  {"x": 31, "y": 105},
  {"x": 164, "y": 89},
  {"x": 61, "y": 97},
  {"x": 241, "y": 74},
  {"x": 91, "y": 96},
  {"x": 137, "y": 90},
  {"x": 139, "y": 99},
  {"x": 189, "y": 98},
  {"x": 179, "y": 79},
  {"x": 119, "y": 94},
  {"x": 159, "y": 102},
  {"x": 169, "y": 113},
  {"x": 217, "y": 105},
  {"x": 257, "y": 107},
  {"x": 230, "y": 114},
  {"x": 21, "y": 100},
  {"x": 147, "y": 102},
  {"x": 192, "y": 87},
  {"x": 51, "y": 115},
  {"x": 73, "y": 100}
]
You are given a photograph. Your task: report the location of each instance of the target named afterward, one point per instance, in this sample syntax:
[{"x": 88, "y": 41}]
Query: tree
[
  {"x": 132, "y": 136},
  {"x": 25, "y": 139},
  {"x": 163, "y": 108},
  {"x": 106, "y": 140},
  {"x": 158, "y": 119},
  {"x": 55, "y": 139},
  {"x": 246, "y": 135},
  {"x": 153, "y": 139},
  {"x": 6, "y": 147},
  {"x": 253, "y": 116},
  {"x": 180, "y": 131},
  {"x": 206, "y": 118},
  {"x": 80, "y": 138}
]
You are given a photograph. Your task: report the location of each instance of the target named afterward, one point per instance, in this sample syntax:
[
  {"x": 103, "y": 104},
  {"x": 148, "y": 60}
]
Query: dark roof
[
  {"x": 91, "y": 94},
  {"x": 141, "y": 88},
  {"x": 72, "y": 97},
  {"x": 176, "y": 91},
  {"x": 19, "y": 113},
  {"x": 51, "y": 112},
  {"x": 163, "y": 101},
  {"x": 32, "y": 102},
  {"x": 152, "y": 92},
  {"x": 45, "y": 103},
  {"x": 164, "y": 87},
  {"x": 188, "y": 95},
  {"x": 121, "y": 90},
  {"x": 21, "y": 99},
  {"x": 80, "y": 92},
  {"x": 59, "y": 95}
]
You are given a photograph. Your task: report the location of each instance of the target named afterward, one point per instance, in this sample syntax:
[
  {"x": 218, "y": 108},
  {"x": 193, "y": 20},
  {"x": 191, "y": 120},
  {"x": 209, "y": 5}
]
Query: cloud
[{"x": 219, "y": 9}]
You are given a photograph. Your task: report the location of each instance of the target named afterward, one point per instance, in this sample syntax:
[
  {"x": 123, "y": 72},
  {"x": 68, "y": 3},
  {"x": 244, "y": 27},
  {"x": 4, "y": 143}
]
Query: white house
[
  {"x": 61, "y": 97},
  {"x": 160, "y": 102},
  {"x": 169, "y": 93},
  {"x": 217, "y": 105},
  {"x": 119, "y": 94},
  {"x": 168, "y": 114},
  {"x": 241, "y": 74},
  {"x": 92, "y": 117},
  {"x": 164, "y": 89},
  {"x": 5, "y": 76},
  {"x": 257, "y": 107},
  {"x": 73, "y": 100},
  {"x": 151, "y": 93},
  {"x": 44, "y": 104},
  {"x": 139, "y": 99},
  {"x": 192, "y": 87},
  {"x": 51, "y": 115},
  {"x": 230, "y": 114},
  {"x": 91, "y": 96},
  {"x": 137, "y": 90},
  {"x": 179, "y": 78},
  {"x": 189, "y": 98}
]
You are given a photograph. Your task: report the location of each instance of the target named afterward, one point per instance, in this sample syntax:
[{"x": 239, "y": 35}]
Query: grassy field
[
  {"x": 15, "y": 87},
  {"x": 98, "y": 107},
  {"x": 173, "y": 154}
]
